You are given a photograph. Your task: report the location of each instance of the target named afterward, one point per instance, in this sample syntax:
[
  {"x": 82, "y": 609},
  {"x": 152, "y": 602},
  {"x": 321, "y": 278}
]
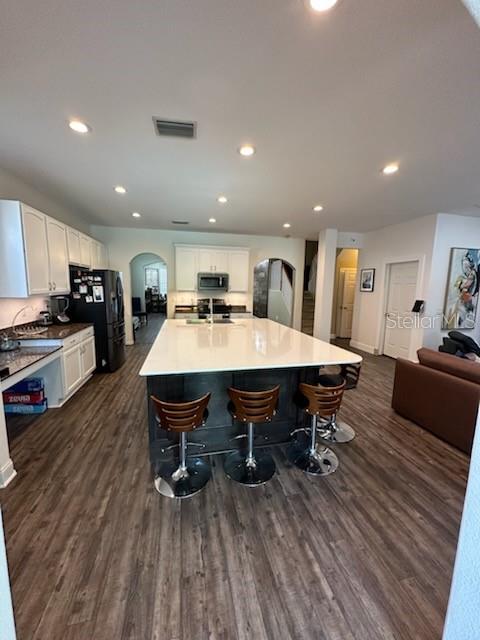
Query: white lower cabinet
[
  {"x": 87, "y": 354},
  {"x": 78, "y": 361},
  {"x": 72, "y": 369}
]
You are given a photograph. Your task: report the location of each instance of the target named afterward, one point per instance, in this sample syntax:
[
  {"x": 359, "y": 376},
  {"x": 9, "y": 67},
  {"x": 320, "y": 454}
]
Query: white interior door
[
  {"x": 348, "y": 280},
  {"x": 401, "y": 295}
]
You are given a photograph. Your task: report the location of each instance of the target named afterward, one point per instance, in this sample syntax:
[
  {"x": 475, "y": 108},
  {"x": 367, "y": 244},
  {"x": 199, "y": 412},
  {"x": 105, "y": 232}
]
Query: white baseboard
[
  {"x": 363, "y": 347},
  {"x": 7, "y": 473}
]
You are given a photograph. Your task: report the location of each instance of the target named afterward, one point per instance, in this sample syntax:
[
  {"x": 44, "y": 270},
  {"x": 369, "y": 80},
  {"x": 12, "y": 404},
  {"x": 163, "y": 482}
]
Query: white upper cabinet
[
  {"x": 103, "y": 256},
  {"x": 191, "y": 260},
  {"x": 212, "y": 260},
  {"x": 36, "y": 251},
  {"x": 186, "y": 268},
  {"x": 57, "y": 256},
  {"x": 73, "y": 241},
  {"x": 94, "y": 254},
  {"x": 86, "y": 252},
  {"x": 85, "y": 256},
  {"x": 238, "y": 270}
]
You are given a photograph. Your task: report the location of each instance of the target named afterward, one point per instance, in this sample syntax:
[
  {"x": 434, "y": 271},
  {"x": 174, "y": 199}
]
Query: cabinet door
[
  {"x": 103, "y": 257},
  {"x": 238, "y": 270},
  {"x": 73, "y": 242},
  {"x": 36, "y": 250},
  {"x": 85, "y": 251},
  {"x": 220, "y": 260},
  {"x": 205, "y": 261},
  {"x": 72, "y": 368},
  {"x": 87, "y": 352},
  {"x": 58, "y": 256},
  {"x": 186, "y": 269},
  {"x": 94, "y": 255}
]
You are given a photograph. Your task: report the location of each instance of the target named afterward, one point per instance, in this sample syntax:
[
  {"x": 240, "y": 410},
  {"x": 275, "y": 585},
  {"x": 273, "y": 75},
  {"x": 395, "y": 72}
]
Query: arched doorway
[
  {"x": 149, "y": 292},
  {"x": 274, "y": 290}
]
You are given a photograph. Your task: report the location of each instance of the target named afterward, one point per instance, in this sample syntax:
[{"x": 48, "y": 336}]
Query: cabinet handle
[{"x": 54, "y": 286}]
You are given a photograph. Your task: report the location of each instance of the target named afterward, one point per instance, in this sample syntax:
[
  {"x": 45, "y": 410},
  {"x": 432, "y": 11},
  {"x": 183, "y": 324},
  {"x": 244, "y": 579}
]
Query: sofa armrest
[{"x": 437, "y": 401}]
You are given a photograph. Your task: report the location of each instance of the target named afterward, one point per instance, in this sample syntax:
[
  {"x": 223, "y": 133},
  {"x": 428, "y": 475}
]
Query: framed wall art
[{"x": 367, "y": 280}]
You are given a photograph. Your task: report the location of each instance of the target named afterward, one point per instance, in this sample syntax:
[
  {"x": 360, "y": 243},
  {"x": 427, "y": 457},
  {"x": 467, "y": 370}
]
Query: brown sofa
[{"x": 440, "y": 393}]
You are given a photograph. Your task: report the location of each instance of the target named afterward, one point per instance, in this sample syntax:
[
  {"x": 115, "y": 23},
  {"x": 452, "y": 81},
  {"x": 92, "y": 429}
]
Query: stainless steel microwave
[{"x": 212, "y": 282}]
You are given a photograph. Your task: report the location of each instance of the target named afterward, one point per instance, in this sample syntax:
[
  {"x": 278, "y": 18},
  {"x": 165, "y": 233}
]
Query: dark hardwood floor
[{"x": 96, "y": 554}]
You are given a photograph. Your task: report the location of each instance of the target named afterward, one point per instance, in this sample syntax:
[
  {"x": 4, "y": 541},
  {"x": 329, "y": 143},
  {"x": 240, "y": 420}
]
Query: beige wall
[
  {"x": 404, "y": 242},
  {"x": 125, "y": 244},
  {"x": 12, "y": 188}
]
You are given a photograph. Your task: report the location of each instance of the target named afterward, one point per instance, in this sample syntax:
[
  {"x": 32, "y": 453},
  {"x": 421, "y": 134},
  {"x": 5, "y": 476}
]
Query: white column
[
  {"x": 463, "y": 614},
  {"x": 326, "y": 258},
  {"x": 7, "y": 472},
  {"x": 7, "y": 622}
]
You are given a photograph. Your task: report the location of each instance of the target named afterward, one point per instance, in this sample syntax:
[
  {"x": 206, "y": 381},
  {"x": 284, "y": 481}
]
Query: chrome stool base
[
  {"x": 259, "y": 471},
  {"x": 336, "y": 432},
  {"x": 320, "y": 461},
  {"x": 173, "y": 482}
]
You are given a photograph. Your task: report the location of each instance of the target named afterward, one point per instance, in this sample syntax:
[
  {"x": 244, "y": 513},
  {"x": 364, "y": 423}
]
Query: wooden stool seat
[
  {"x": 251, "y": 407},
  {"x": 190, "y": 475},
  {"x": 319, "y": 403},
  {"x": 333, "y": 430}
]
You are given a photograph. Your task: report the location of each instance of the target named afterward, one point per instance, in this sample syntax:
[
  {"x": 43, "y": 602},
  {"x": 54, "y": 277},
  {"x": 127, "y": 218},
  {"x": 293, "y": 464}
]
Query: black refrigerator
[{"x": 97, "y": 297}]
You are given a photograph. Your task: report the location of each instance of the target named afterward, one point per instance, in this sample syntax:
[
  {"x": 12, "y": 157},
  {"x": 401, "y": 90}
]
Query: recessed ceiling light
[
  {"x": 119, "y": 189},
  {"x": 322, "y": 5},
  {"x": 222, "y": 199},
  {"x": 390, "y": 169},
  {"x": 78, "y": 126},
  {"x": 212, "y": 220},
  {"x": 287, "y": 225},
  {"x": 135, "y": 214},
  {"x": 317, "y": 208},
  {"x": 246, "y": 150}
]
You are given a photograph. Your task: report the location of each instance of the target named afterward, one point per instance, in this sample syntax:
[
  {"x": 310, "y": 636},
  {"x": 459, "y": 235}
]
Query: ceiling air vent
[
  {"x": 180, "y": 222},
  {"x": 175, "y": 128}
]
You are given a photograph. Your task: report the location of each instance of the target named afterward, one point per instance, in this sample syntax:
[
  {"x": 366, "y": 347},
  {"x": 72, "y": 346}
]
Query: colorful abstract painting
[{"x": 461, "y": 300}]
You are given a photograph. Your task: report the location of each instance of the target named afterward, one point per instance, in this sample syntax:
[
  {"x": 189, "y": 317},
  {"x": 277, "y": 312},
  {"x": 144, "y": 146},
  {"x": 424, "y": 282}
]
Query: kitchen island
[{"x": 187, "y": 361}]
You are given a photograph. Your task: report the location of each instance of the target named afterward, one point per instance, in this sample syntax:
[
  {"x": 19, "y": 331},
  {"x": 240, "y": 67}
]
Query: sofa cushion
[{"x": 447, "y": 363}]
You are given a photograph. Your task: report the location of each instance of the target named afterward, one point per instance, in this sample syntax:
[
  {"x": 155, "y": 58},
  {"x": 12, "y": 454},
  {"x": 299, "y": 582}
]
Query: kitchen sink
[{"x": 205, "y": 321}]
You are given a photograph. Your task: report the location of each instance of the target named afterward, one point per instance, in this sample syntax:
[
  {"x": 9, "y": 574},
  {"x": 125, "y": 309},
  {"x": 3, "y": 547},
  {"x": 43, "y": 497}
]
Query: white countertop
[{"x": 242, "y": 345}]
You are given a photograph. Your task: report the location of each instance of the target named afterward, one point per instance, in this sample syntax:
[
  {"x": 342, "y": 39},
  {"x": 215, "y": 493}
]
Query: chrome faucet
[
  {"x": 22, "y": 310},
  {"x": 211, "y": 310}
]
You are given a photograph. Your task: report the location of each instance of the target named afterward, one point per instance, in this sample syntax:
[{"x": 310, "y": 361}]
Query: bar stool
[
  {"x": 318, "y": 402},
  {"x": 188, "y": 476},
  {"x": 252, "y": 407},
  {"x": 335, "y": 430}
]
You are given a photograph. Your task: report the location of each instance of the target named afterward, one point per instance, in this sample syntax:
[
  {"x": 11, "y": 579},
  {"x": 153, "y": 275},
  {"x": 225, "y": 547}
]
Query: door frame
[{"x": 417, "y": 333}]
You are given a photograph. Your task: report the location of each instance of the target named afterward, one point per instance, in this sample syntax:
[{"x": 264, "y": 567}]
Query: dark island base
[{"x": 220, "y": 430}]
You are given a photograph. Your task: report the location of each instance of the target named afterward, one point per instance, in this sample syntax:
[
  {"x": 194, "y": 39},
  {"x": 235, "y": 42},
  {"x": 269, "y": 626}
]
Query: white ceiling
[{"x": 327, "y": 100}]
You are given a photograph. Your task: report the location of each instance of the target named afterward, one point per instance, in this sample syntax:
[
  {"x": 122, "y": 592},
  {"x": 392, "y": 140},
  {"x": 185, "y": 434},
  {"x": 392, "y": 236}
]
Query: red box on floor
[{"x": 16, "y": 397}]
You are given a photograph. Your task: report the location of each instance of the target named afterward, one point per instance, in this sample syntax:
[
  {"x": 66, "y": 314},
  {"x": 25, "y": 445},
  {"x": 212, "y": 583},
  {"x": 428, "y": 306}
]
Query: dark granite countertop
[
  {"x": 15, "y": 361},
  {"x": 187, "y": 308},
  {"x": 54, "y": 331}
]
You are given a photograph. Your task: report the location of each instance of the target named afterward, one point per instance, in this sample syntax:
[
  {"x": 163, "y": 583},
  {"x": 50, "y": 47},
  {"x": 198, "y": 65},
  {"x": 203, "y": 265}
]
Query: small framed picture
[
  {"x": 367, "y": 280},
  {"x": 98, "y": 293}
]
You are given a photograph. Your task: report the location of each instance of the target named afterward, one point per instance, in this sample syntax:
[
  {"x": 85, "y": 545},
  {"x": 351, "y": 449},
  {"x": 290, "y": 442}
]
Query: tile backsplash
[
  {"x": 10, "y": 306},
  {"x": 186, "y": 297}
]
